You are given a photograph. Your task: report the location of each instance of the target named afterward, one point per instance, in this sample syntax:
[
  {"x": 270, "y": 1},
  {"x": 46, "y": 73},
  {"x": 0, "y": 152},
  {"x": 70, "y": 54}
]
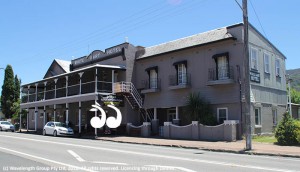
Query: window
[
  {"x": 267, "y": 62},
  {"x": 153, "y": 79},
  {"x": 274, "y": 113},
  {"x": 222, "y": 114},
  {"x": 277, "y": 67},
  {"x": 257, "y": 116},
  {"x": 222, "y": 67},
  {"x": 254, "y": 58},
  {"x": 181, "y": 77},
  {"x": 182, "y": 74}
]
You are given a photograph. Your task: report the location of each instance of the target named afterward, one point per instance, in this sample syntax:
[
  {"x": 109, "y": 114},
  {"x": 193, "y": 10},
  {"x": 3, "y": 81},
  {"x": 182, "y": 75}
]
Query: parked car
[
  {"x": 5, "y": 126},
  {"x": 57, "y": 129}
]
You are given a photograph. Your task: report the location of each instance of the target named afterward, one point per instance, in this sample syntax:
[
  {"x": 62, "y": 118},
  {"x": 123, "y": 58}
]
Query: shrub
[
  {"x": 199, "y": 109},
  {"x": 298, "y": 131},
  {"x": 209, "y": 120},
  {"x": 287, "y": 131}
]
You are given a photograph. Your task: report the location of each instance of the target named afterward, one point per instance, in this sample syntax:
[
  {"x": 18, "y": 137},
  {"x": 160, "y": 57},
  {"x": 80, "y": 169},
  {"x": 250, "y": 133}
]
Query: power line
[
  {"x": 133, "y": 24},
  {"x": 93, "y": 34},
  {"x": 258, "y": 19}
]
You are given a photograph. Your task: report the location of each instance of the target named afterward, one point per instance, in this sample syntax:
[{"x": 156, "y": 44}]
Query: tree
[
  {"x": 288, "y": 130},
  {"x": 16, "y": 105},
  {"x": 8, "y": 92},
  {"x": 17, "y": 88},
  {"x": 199, "y": 109},
  {"x": 295, "y": 96}
]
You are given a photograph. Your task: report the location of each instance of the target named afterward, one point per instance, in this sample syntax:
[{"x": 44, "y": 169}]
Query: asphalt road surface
[{"x": 27, "y": 152}]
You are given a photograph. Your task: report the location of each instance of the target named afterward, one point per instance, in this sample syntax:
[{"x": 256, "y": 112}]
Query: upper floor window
[
  {"x": 181, "y": 70},
  {"x": 267, "y": 62},
  {"x": 277, "y": 67},
  {"x": 181, "y": 74},
  {"x": 254, "y": 58},
  {"x": 222, "y": 65},
  {"x": 153, "y": 80}
]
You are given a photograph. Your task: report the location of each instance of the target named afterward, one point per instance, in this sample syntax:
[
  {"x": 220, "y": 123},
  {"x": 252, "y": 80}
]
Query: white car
[
  {"x": 57, "y": 129},
  {"x": 5, "y": 126}
]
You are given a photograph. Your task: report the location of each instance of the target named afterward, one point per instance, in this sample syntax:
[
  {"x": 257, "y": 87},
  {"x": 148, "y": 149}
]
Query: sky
[{"x": 33, "y": 32}]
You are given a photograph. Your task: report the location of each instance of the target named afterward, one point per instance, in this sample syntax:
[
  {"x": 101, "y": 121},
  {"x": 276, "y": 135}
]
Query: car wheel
[
  {"x": 0, "y": 128},
  {"x": 55, "y": 133},
  {"x": 44, "y": 132},
  {"x": 12, "y": 130}
]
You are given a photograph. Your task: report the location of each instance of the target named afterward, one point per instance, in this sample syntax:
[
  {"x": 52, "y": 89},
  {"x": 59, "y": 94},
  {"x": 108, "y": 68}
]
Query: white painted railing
[{"x": 128, "y": 87}]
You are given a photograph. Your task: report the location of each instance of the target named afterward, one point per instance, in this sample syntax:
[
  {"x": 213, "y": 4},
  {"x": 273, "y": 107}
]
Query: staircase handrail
[{"x": 130, "y": 88}]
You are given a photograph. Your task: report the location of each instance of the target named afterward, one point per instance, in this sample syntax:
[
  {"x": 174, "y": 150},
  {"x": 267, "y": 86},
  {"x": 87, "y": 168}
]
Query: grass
[{"x": 264, "y": 139}]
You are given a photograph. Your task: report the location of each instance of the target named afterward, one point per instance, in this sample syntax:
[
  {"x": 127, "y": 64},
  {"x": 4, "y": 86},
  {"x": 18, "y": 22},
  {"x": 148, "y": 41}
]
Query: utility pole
[
  {"x": 246, "y": 76},
  {"x": 289, "y": 80}
]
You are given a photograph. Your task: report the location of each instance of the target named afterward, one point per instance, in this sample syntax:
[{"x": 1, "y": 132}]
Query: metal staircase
[{"x": 128, "y": 90}]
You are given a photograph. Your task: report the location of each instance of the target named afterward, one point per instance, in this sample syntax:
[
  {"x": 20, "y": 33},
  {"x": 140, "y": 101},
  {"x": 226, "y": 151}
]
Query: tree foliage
[
  {"x": 10, "y": 95},
  {"x": 17, "y": 88},
  {"x": 288, "y": 130},
  {"x": 295, "y": 96},
  {"x": 8, "y": 92},
  {"x": 298, "y": 131},
  {"x": 199, "y": 109}
]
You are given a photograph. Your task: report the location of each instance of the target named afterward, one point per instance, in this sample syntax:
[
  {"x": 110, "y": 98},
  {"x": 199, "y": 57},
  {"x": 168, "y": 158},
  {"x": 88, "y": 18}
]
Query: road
[{"x": 27, "y": 152}]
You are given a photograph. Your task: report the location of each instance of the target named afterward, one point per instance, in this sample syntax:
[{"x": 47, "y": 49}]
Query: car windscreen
[
  {"x": 6, "y": 123},
  {"x": 60, "y": 124}
]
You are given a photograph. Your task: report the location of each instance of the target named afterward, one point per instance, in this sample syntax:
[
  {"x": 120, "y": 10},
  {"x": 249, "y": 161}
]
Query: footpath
[{"x": 219, "y": 146}]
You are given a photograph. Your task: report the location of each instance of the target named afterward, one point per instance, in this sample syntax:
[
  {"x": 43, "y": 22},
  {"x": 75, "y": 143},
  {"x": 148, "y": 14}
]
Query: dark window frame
[{"x": 215, "y": 57}]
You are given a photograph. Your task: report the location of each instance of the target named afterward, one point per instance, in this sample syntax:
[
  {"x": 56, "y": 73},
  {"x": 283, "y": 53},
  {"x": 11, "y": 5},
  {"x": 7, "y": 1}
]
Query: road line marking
[
  {"x": 76, "y": 156},
  {"x": 110, "y": 163},
  {"x": 48, "y": 160},
  {"x": 171, "y": 168},
  {"x": 154, "y": 155}
]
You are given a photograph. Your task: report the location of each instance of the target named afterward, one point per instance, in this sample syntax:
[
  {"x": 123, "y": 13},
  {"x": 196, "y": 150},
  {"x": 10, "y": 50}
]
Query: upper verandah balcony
[
  {"x": 92, "y": 79},
  {"x": 220, "y": 75}
]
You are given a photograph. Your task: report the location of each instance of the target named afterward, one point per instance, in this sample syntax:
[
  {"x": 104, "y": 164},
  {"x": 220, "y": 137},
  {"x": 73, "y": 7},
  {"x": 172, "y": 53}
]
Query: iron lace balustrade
[
  {"x": 153, "y": 83},
  {"x": 150, "y": 86},
  {"x": 220, "y": 73},
  {"x": 184, "y": 79}
]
